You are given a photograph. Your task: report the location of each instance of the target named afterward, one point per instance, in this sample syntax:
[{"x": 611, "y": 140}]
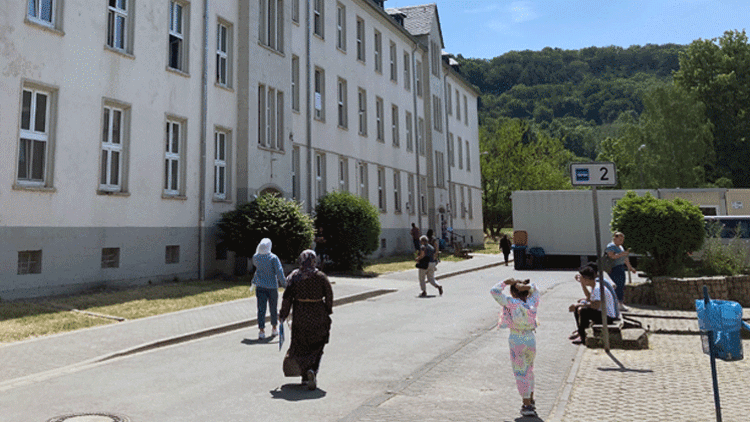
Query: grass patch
[{"x": 27, "y": 319}]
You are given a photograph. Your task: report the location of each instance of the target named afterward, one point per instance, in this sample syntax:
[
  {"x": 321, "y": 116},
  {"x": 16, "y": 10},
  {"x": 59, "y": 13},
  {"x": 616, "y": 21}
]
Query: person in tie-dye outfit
[{"x": 519, "y": 315}]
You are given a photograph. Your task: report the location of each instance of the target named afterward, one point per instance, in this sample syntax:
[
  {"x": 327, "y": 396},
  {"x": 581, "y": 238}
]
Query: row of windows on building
[
  {"x": 362, "y": 188},
  {"x": 30, "y": 262}
]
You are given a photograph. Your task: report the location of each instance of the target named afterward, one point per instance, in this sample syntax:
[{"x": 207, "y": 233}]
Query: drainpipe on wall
[
  {"x": 204, "y": 132},
  {"x": 448, "y": 149},
  {"x": 308, "y": 122},
  {"x": 417, "y": 201}
]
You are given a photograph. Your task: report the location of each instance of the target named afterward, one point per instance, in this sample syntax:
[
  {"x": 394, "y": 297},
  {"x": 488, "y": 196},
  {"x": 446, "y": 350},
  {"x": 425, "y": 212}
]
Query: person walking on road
[
  {"x": 269, "y": 275},
  {"x": 505, "y": 247},
  {"x": 309, "y": 295},
  {"x": 519, "y": 315},
  {"x": 426, "y": 265},
  {"x": 620, "y": 266},
  {"x": 415, "y": 233}
]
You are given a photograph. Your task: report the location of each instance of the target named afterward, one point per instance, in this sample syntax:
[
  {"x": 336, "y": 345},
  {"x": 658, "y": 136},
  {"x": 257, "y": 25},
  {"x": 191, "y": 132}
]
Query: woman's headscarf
[
  {"x": 264, "y": 247},
  {"x": 307, "y": 260}
]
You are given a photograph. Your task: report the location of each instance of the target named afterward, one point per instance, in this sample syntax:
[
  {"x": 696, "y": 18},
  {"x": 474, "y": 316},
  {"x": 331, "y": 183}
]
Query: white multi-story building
[{"x": 130, "y": 127}]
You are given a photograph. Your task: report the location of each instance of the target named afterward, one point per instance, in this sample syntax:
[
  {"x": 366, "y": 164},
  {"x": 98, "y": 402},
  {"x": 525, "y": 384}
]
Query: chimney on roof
[{"x": 379, "y": 3}]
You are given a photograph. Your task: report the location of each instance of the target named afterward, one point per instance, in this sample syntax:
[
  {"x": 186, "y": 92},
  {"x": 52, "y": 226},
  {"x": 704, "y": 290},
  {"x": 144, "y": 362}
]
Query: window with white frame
[
  {"x": 271, "y": 24},
  {"x": 439, "y": 169},
  {"x": 379, "y": 124},
  {"x": 362, "y": 111},
  {"x": 454, "y": 205},
  {"x": 458, "y": 106},
  {"x": 381, "y": 190},
  {"x": 394, "y": 125},
  {"x": 110, "y": 257},
  {"x": 119, "y": 25},
  {"x": 221, "y": 163},
  {"x": 295, "y": 83},
  {"x": 29, "y": 262},
  {"x": 437, "y": 114},
  {"x": 451, "y": 147},
  {"x": 378, "y": 47},
  {"x": 224, "y": 54},
  {"x": 341, "y": 27},
  {"x": 174, "y": 157},
  {"x": 361, "y": 40},
  {"x": 320, "y": 92},
  {"x": 463, "y": 203},
  {"x": 296, "y": 174},
  {"x": 449, "y": 99},
  {"x": 178, "y": 35},
  {"x": 34, "y": 151},
  {"x": 470, "y": 206},
  {"x": 468, "y": 159},
  {"x": 397, "y": 191},
  {"x": 435, "y": 58},
  {"x": 320, "y": 175},
  {"x": 409, "y": 132},
  {"x": 114, "y": 137},
  {"x": 363, "y": 180},
  {"x": 407, "y": 71},
  {"x": 343, "y": 174},
  {"x": 318, "y": 18},
  {"x": 466, "y": 111},
  {"x": 393, "y": 62},
  {"x": 410, "y": 198},
  {"x": 295, "y": 11},
  {"x": 420, "y": 137},
  {"x": 342, "y": 100},
  {"x": 43, "y": 12},
  {"x": 418, "y": 78},
  {"x": 270, "y": 118},
  {"x": 460, "y": 145},
  {"x": 423, "y": 195}
]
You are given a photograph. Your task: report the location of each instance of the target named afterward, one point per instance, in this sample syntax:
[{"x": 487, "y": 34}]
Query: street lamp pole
[{"x": 640, "y": 158}]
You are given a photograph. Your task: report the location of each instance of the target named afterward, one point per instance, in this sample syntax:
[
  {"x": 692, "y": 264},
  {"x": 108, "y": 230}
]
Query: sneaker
[
  {"x": 573, "y": 336},
  {"x": 622, "y": 307},
  {"x": 440, "y": 289},
  {"x": 528, "y": 410},
  {"x": 261, "y": 335},
  {"x": 578, "y": 341},
  {"x": 311, "y": 383},
  {"x": 274, "y": 333},
  {"x": 423, "y": 294}
]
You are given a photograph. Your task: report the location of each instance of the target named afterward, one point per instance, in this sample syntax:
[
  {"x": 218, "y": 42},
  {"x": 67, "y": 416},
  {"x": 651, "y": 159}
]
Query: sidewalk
[{"x": 43, "y": 357}]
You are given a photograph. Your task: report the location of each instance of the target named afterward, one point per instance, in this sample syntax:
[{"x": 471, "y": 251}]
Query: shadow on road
[
  {"x": 621, "y": 367},
  {"x": 267, "y": 340},
  {"x": 297, "y": 392}
]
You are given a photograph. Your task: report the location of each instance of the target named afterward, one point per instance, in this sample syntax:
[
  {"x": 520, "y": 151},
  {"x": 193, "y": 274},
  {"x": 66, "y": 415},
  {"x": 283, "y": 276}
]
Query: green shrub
[
  {"x": 270, "y": 216},
  {"x": 663, "y": 231},
  {"x": 717, "y": 258},
  {"x": 351, "y": 226}
]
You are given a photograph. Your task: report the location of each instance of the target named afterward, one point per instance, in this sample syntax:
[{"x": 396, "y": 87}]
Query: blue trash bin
[
  {"x": 724, "y": 318},
  {"x": 537, "y": 260},
  {"x": 519, "y": 257}
]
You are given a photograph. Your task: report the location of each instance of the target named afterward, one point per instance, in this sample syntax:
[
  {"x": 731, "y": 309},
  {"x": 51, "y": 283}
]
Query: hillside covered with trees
[{"x": 668, "y": 116}]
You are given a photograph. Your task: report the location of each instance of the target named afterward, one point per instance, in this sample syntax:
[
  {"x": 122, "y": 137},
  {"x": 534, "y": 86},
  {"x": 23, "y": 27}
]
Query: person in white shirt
[{"x": 588, "y": 310}]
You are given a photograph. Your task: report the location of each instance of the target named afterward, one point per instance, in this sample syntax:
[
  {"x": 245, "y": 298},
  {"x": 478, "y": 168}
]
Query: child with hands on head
[{"x": 519, "y": 316}]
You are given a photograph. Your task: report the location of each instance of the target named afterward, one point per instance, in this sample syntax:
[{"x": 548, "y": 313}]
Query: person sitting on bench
[{"x": 588, "y": 310}]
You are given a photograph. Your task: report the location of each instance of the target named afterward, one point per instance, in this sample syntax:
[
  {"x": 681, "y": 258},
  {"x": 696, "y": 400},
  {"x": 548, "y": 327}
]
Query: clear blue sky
[{"x": 489, "y": 28}]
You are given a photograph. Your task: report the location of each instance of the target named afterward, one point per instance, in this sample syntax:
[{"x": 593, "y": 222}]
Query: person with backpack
[
  {"x": 519, "y": 316},
  {"x": 426, "y": 266}
]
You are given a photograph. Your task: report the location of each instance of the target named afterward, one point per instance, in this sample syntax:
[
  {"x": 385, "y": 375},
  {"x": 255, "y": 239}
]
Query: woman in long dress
[{"x": 309, "y": 295}]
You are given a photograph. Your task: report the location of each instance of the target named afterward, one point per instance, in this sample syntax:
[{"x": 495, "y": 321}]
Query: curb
[{"x": 455, "y": 273}]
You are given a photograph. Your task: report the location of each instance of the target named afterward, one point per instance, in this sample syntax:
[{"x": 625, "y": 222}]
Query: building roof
[{"x": 418, "y": 19}]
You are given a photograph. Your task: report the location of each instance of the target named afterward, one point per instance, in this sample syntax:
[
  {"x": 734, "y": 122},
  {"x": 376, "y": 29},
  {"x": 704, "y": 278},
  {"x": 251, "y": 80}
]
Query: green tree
[
  {"x": 514, "y": 157},
  {"x": 270, "y": 216},
  {"x": 667, "y": 147},
  {"x": 351, "y": 226},
  {"x": 717, "y": 72},
  {"x": 663, "y": 231}
]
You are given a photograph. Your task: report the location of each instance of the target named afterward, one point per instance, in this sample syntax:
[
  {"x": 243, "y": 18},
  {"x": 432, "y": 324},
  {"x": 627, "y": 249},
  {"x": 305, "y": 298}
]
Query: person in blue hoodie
[{"x": 269, "y": 276}]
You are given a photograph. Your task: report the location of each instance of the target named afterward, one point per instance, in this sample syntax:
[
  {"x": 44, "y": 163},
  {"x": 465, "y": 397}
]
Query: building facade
[{"x": 131, "y": 127}]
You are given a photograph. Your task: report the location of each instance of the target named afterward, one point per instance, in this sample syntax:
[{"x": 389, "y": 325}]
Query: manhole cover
[{"x": 90, "y": 417}]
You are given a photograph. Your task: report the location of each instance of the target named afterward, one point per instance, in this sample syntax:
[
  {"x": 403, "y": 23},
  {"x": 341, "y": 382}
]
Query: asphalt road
[{"x": 393, "y": 357}]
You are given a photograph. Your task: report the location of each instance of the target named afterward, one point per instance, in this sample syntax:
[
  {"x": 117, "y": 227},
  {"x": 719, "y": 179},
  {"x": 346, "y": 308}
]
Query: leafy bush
[
  {"x": 270, "y": 216},
  {"x": 663, "y": 231},
  {"x": 717, "y": 258},
  {"x": 351, "y": 226}
]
